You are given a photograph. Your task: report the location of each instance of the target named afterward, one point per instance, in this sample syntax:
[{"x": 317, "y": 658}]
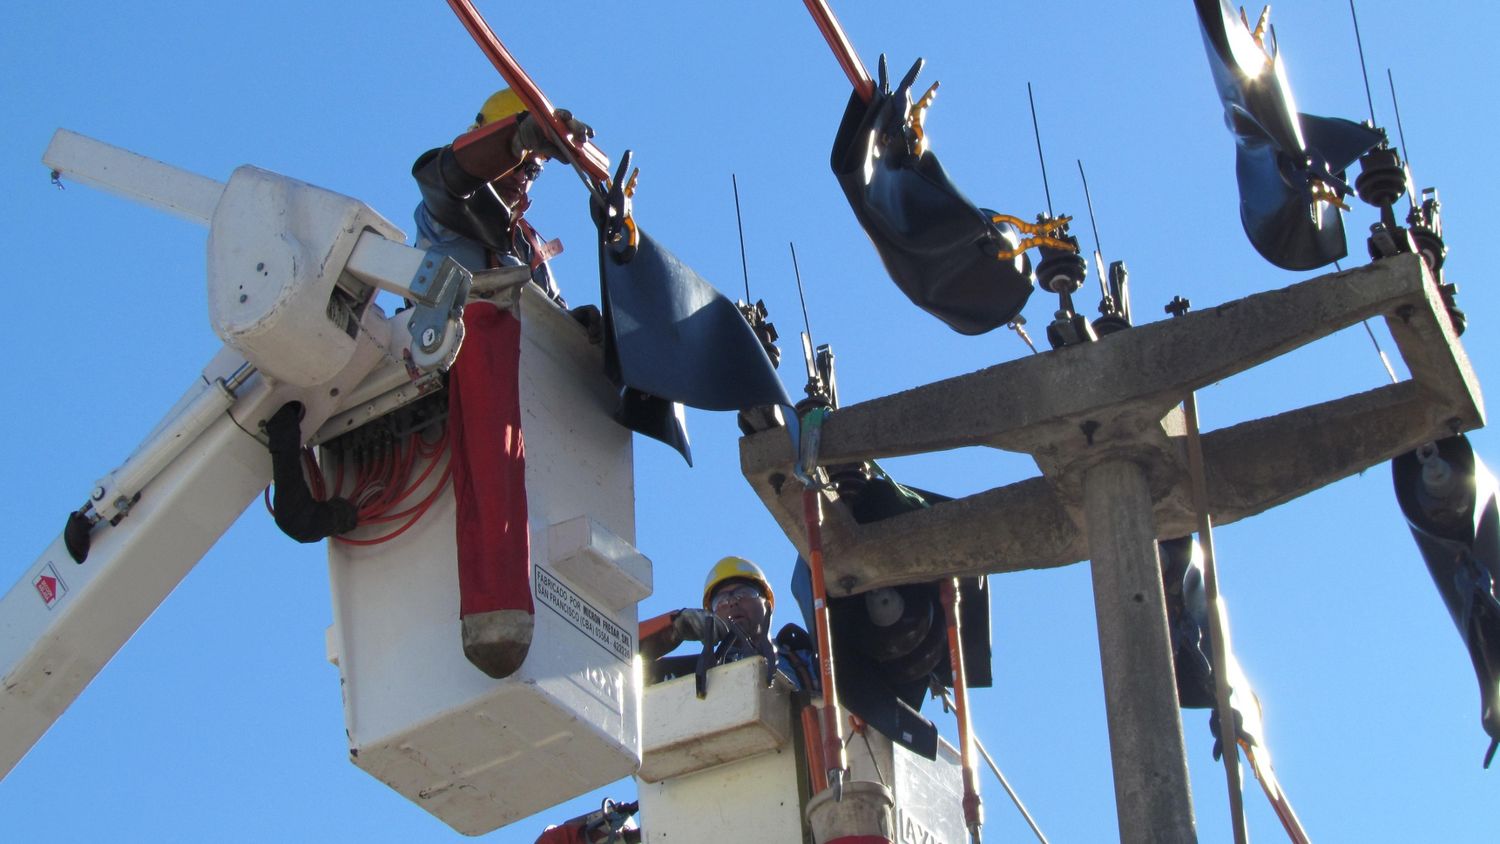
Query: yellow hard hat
[
  {"x": 737, "y": 568},
  {"x": 501, "y": 104}
]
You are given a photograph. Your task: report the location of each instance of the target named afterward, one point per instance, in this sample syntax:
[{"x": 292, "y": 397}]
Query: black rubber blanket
[
  {"x": 1279, "y": 153},
  {"x": 938, "y": 247}
]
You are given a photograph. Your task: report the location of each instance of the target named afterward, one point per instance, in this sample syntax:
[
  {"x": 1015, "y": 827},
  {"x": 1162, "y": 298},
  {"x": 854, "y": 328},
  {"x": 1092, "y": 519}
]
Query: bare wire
[
  {"x": 1389, "y": 370},
  {"x": 806, "y": 323},
  {"x": 744, "y": 266},
  {"x": 1004, "y": 783},
  {"x": 1385, "y": 360},
  {"x": 1361, "y": 44},
  {"x": 1411, "y": 189},
  {"x": 1038, "y": 132},
  {"x": 1090, "y": 200},
  {"x": 1098, "y": 247},
  {"x": 1400, "y": 132}
]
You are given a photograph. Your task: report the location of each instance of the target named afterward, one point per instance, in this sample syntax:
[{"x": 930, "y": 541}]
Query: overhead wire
[
  {"x": 1385, "y": 360},
  {"x": 1046, "y": 189},
  {"x": 740, "y": 224},
  {"x": 1411, "y": 192},
  {"x": 1359, "y": 42},
  {"x": 1004, "y": 783},
  {"x": 796, "y": 271}
]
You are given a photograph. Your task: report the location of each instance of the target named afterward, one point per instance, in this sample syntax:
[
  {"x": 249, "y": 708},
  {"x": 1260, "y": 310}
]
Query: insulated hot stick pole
[
  {"x": 1279, "y": 802},
  {"x": 973, "y": 808},
  {"x": 833, "y": 737},
  {"x": 833, "y": 33},
  {"x": 1228, "y": 734},
  {"x": 812, "y": 745},
  {"x": 1220, "y": 633},
  {"x": 586, "y": 156},
  {"x": 811, "y": 732}
]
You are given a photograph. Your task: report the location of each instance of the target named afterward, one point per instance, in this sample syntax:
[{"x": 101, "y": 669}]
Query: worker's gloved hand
[
  {"x": 1242, "y": 736},
  {"x": 589, "y": 317},
  {"x": 531, "y": 136},
  {"x": 699, "y": 625},
  {"x": 794, "y": 638}
]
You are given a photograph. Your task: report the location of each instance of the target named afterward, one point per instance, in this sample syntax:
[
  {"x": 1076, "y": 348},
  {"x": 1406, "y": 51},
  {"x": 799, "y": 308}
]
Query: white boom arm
[{"x": 292, "y": 275}]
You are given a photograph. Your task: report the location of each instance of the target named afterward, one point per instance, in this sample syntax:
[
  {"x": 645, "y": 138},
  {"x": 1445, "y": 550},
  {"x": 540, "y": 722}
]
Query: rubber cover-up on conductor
[
  {"x": 670, "y": 337},
  {"x": 1278, "y": 151},
  {"x": 1187, "y": 621},
  {"x": 885, "y": 669},
  {"x": 1453, "y": 516},
  {"x": 936, "y": 245}
]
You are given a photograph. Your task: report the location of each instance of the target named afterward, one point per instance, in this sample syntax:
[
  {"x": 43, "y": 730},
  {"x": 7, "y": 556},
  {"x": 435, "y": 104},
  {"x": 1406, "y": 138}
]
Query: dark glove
[
  {"x": 1239, "y": 730},
  {"x": 532, "y": 138},
  {"x": 794, "y": 638},
  {"x": 589, "y": 317},
  {"x": 699, "y": 625}
]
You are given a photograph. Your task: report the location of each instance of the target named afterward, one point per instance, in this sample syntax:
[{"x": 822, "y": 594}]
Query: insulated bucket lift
[
  {"x": 478, "y": 752},
  {"x": 736, "y": 750},
  {"x": 293, "y": 273}
]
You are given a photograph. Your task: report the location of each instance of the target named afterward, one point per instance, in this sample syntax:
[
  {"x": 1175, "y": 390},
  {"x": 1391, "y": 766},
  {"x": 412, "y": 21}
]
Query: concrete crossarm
[{"x": 1073, "y": 407}]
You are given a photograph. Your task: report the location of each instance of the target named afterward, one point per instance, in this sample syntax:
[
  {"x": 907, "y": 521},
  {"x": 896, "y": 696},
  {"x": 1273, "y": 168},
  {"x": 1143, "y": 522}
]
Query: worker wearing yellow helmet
[
  {"x": 737, "y": 590},
  {"x": 498, "y": 106},
  {"x": 475, "y": 190},
  {"x": 474, "y": 193},
  {"x": 734, "y": 623},
  {"x": 474, "y": 196}
]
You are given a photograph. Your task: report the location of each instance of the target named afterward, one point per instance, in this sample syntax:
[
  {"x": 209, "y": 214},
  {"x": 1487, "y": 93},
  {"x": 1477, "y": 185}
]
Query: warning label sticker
[
  {"x": 50, "y": 586},
  {"x": 581, "y": 614}
]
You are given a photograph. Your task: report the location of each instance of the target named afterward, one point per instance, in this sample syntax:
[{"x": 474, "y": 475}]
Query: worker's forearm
[{"x": 659, "y": 636}]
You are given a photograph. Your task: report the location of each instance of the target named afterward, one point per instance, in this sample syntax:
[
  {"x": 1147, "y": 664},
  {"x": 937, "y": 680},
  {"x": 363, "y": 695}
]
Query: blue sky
[{"x": 221, "y": 719}]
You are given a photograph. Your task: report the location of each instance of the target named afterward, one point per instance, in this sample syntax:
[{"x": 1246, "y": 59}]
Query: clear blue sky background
[{"x": 221, "y": 719}]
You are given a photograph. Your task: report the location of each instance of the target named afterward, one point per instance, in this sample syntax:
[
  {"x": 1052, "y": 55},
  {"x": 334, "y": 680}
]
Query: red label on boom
[{"x": 50, "y": 586}]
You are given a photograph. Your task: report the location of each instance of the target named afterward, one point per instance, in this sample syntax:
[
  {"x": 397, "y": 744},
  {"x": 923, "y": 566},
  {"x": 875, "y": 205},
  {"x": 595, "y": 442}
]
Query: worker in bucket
[
  {"x": 474, "y": 198},
  {"x": 734, "y": 623},
  {"x": 474, "y": 190}
]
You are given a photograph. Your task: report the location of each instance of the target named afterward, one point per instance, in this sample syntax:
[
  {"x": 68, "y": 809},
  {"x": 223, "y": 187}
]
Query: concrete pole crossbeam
[
  {"x": 1121, "y": 400},
  {"x": 1112, "y": 453}
]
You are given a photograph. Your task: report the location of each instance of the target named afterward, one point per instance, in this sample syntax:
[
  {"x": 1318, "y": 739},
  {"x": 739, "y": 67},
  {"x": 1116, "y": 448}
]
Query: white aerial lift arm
[{"x": 292, "y": 275}]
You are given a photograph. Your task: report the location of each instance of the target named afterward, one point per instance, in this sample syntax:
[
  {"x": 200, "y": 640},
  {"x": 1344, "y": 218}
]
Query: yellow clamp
[
  {"x": 632, "y": 234},
  {"x": 1045, "y": 231},
  {"x": 634, "y": 237},
  {"x": 917, "y": 121},
  {"x": 1259, "y": 32},
  {"x": 1324, "y": 192}
]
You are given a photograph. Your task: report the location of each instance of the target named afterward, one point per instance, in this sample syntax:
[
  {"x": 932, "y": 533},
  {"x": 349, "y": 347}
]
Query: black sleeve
[{"x": 461, "y": 202}]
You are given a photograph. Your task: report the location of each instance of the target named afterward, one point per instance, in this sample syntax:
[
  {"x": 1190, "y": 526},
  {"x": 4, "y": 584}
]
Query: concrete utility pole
[
  {"x": 1135, "y": 649},
  {"x": 1102, "y": 422}
]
